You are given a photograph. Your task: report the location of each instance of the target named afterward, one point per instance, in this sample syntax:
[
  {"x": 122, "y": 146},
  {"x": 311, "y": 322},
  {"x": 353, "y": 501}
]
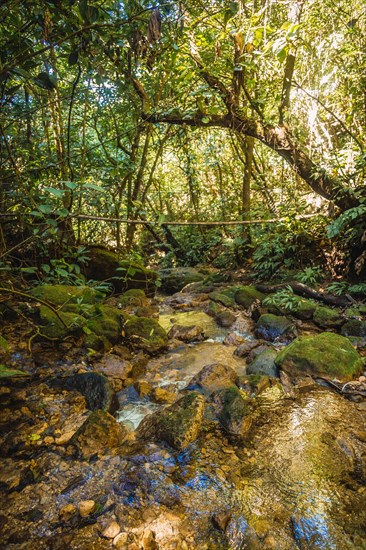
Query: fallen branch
[{"x": 308, "y": 292}]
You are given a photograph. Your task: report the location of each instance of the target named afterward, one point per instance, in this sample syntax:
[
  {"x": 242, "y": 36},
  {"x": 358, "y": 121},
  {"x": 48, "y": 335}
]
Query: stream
[{"x": 297, "y": 479}]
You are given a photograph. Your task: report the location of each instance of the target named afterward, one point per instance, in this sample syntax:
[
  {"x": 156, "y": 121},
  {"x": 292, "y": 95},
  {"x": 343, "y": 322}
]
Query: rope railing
[{"x": 160, "y": 223}]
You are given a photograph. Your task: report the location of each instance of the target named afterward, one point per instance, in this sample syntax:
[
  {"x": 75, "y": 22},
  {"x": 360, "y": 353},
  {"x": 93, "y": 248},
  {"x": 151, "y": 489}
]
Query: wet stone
[
  {"x": 214, "y": 377},
  {"x": 187, "y": 334}
]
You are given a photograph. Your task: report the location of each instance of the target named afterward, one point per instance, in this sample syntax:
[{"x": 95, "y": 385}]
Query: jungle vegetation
[{"x": 198, "y": 111}]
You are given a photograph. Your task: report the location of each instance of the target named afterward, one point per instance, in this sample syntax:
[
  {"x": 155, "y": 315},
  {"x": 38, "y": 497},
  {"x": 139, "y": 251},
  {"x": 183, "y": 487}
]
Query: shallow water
[{"x": 298, "y": 481}]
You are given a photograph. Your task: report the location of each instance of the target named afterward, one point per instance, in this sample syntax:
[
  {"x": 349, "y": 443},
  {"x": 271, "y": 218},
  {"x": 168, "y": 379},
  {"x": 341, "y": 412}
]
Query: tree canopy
[{"x": 194, "y": 111}]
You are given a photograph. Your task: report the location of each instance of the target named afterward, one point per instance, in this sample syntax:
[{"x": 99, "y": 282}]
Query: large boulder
[
  {"x": 327, "y": 317},
  {"x": 233, "y": 411},
  {"x": 326, "y": 354},
  {"x": 177, "y": 425},
  {"x": 270, "y": 327},
  {"x": 245, "y": 296},
  {"x": 173, "y": 280},
  {"x": 214, "y": 377},
  {"x": 144, "y": 333},
  {"x": 100, "y": 434},
  {"x": 104, "y": 265}
]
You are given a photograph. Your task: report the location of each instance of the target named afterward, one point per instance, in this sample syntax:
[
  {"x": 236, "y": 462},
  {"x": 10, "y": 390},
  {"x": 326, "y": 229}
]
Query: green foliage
[
  {"x": 338, "y": 287},
  {"x": 310, "y": 275},
  {"x": 283, "y": 299},
  {"x": 343, "y": 222}
]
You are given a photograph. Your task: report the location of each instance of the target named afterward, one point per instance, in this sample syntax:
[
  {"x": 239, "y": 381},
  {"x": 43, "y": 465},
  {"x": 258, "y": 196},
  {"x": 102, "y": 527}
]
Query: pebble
[
  {"x": 148, "y": 540},
  {"x": 67, "y": 512},
  {"x": 121, "y": 541},
  {"x": 86, "y": 507},
  {"x": 112, "y": 530}
]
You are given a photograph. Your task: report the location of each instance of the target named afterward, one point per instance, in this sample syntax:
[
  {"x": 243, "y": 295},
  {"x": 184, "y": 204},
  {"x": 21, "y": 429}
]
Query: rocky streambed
[{"x": 232, "y": 433}]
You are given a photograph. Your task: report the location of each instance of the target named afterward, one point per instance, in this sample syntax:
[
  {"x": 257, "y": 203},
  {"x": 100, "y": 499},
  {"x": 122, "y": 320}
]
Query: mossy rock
[
  {"x": 5, "y": 372},
  {"x": 326, "y": 354},
  {"x": 233, "y": 411},
  {"x": 100, "y": 434},
  {"x": 270, "y": 327},
  {"x": 358, "y": 311},
  {"x": 66, "y": 296},
  {"x": 177, "y": 425},
  {"x": 104, "y": 265},
  {"x": 264, "y": 364},
  {"x": 354, "y": 327},
  {"x": 104, "y": 329},
  {"x": 222, "y": 298},
  {"x": 57, "y": 327},
  {"x": 213, "y": 309},
  {"x": 327, "y": 317},
  {"x": 225, "y": 318},
  {"x": 173, "y": 280},
  {"x": 133, "y": 298},
  {"x": 144, "y": 333},
  {"x": 245, "y": 296}
]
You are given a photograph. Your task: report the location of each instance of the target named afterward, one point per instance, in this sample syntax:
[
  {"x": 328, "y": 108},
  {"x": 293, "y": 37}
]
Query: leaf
[
  {"x": 341, "y": 223},
  {"x": 45, "y": 208},
  {"x": 56, "y": 192}
]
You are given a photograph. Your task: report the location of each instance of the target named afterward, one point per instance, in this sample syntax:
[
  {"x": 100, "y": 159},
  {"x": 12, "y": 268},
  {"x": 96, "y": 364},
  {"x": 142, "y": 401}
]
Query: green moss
[
  {"x": 245, "y": 296},
  {"x": 327, "y": 317},
  {"x": 325, "y": 354},
  {"x": 177, "y": 425},
  {"x": 65, "y": 295},
  {"x": 222, "y": 298},
  {"x": 53, "y": 327},
  {"x": 104, "y": 329},
  {"x": 137, "y": 292},
  {"x": 145, "y": 333}
]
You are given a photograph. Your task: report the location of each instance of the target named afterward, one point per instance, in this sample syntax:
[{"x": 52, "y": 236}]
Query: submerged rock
[
  {"x": 270, "y": 327},
  {"x": 264, "y": 364},
  {"x": 100, "y": 433},
  {"x": 245, "y": 296},
  {"x": 193, "y": 333},
  {"x": 214, "y": 377},
  {"x": 326, "y": 354},
  {"x": 233, "y": 411},
  {"x": 177, "y": 425},
  {"x": 327, "y": 317}
]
